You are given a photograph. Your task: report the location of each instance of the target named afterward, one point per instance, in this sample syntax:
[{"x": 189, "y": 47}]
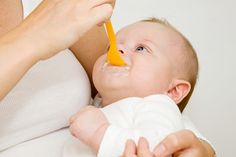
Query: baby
[{"x": 143, "y": 99}]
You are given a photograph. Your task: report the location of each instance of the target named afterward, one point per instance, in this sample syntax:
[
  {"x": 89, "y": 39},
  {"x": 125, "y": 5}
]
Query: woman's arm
[
  {"x": 16, "y": 57},
  {"x": 53, "y": 26},
  {"x": 11, "y": 14}
]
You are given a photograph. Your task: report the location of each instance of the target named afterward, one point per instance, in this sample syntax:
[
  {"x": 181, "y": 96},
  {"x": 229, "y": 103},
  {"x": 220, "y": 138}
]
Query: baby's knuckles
[{"x": 86, "y": 123}]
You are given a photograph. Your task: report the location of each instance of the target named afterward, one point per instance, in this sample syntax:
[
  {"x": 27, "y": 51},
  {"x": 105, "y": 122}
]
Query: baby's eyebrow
[
  {"x": 151, "y": 43},
  {"x": 147, "y": 40}
]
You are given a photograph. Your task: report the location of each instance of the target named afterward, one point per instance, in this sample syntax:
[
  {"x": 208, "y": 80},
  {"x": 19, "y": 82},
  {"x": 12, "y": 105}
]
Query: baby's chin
[{"x": 109, "y": 76}]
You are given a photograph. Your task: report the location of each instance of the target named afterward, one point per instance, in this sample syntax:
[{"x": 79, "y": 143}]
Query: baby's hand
[{"x": 89, "y": 125}]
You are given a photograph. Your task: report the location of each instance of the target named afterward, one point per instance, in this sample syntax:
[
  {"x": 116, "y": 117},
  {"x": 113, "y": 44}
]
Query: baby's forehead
[
  {"x": 145, "y": 27},
  {"x": 153, "y": 30},
  {"x": 163, "y": 36}
]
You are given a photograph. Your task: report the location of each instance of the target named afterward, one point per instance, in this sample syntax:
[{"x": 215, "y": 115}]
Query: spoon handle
[
  {"x": 113, "y": 56},
  {"x": 110, "y": 32}
]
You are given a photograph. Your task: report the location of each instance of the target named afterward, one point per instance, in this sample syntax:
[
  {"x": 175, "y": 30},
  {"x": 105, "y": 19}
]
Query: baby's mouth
[
  {"x": 106, "y": 64},
  {"x": 118, "y": 68}
]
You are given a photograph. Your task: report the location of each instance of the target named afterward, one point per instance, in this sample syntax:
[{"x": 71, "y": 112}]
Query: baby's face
[{"x": 146, "y": 49}]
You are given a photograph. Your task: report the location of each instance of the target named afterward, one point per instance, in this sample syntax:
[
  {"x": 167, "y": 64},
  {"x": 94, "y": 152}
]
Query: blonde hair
[{"x": 190, "y": 62}]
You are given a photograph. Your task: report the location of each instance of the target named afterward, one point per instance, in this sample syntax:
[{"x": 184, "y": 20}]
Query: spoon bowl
[{"x": 113, "y": 56}]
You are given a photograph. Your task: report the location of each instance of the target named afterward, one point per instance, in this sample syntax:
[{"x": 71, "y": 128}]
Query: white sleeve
[{"x": 152, "y": 120}]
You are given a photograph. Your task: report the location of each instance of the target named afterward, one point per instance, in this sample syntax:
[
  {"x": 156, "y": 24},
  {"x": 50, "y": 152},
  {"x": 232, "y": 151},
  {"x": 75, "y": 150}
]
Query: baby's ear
[{"x": 178, "y": 90}]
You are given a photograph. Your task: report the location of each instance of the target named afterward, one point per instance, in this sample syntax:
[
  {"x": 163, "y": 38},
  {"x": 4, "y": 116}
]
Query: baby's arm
[{"x": 89, "y": 125}]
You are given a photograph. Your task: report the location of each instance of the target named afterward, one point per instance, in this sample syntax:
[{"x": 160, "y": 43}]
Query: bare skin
[
  {"x": 15, "y": 31},
  {"x": 11, "y": 14}
]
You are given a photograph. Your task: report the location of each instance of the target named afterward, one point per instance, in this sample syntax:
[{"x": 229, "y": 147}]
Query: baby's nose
[
  {"x": 121, "y": 51},
  {"x": 125, "y": 56}
]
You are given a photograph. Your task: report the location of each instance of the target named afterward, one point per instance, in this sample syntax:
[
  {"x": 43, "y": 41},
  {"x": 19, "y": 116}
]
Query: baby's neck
[{"x": 107, "y": 99}]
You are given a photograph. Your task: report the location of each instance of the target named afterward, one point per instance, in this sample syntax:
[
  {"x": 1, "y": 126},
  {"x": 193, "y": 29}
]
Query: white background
[{"x": 210, "y": 25}]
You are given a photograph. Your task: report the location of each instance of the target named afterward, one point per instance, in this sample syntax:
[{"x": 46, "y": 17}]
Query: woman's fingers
[
  {"x": 143, "y": 148},
  {"x": 102, "y": 9},
  {"x": 130, "y": 149},
  {"x": 175, "y": 142},
  {"x": 101, "y": 13}
]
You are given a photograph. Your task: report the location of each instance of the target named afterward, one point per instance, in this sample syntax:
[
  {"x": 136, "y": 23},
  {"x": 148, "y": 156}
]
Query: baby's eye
[{"x": 141, "y": 49}]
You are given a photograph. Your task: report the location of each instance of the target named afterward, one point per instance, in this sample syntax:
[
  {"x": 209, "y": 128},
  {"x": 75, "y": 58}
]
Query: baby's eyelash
[{"x": 144, "y": 46}]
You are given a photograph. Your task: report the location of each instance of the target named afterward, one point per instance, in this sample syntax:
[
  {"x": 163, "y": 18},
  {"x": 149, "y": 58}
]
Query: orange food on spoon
[{"x": 113, "y": 56}]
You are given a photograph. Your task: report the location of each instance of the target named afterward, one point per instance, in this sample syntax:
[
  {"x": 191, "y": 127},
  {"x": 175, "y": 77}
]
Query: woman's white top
[
  {"x": 34, "y": 115},
  {"x": 41, "y": 103}
]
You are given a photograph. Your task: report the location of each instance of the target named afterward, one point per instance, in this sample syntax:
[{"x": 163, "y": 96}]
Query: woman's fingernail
[
  {"x": 129, "y": 141},
  {"x": 159, "y": 151}
]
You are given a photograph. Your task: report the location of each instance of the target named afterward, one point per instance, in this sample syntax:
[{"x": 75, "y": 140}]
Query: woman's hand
[
  {"x": 57, "y": 24},
  {"x": 180, "y": 144},
  {"x": 183, "y": 143},
  {"x": 142, "y": 150}
]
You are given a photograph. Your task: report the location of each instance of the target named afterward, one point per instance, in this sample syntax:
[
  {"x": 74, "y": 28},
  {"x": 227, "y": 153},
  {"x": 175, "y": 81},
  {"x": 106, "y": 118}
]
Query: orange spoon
[{"x": 113, "y": 56}]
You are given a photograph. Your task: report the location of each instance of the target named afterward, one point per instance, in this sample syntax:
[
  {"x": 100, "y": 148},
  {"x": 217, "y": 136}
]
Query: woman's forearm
[{"x": 16, "y": 58}]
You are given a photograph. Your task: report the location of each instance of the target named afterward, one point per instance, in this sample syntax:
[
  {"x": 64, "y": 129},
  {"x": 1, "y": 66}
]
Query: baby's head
[{"x": 160, "y": 61}]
